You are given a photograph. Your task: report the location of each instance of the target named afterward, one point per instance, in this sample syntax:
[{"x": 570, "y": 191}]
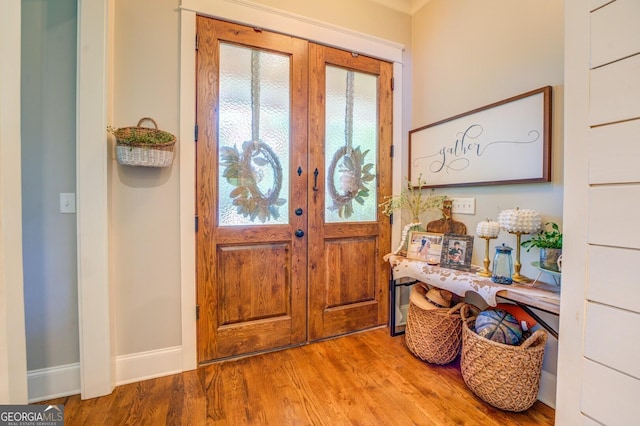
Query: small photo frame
[
  {"x": 425, "y": 246},
  {"x": 457, "y": 251}
]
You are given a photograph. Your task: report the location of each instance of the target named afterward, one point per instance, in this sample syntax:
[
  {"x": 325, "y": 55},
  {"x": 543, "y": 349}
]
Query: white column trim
[
  {"x": 13, "y": 352},
  {"x": 247, "y": 13},
  {"x": 187, "y": 188},
  {"x": 96, "y": 338}
]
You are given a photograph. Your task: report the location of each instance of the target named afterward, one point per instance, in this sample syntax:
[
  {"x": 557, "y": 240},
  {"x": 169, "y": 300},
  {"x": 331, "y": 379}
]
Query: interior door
[
  {"x": 251, "y": 189},
  {"x": 350, "y": 135}
]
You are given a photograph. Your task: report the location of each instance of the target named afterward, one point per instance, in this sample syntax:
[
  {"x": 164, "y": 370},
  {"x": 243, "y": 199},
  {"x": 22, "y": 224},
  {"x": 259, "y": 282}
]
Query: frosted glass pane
[
  {"x": 253, "y": 175},
  {"x": 351, "y": 165}
]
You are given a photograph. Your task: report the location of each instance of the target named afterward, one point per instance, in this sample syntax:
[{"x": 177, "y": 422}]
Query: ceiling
[{"x": 407, "y": 6}]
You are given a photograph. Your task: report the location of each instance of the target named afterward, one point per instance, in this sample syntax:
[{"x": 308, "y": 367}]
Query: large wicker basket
[
  {"x": 143, "y": 154},
  {"x": 505, "y": 376},
  {"x": 433, "y": 335}
]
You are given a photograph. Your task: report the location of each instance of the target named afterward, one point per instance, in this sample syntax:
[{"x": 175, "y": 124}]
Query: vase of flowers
[{"x": 412, "y": 199}]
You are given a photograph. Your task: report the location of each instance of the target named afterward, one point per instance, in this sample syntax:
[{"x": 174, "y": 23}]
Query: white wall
[
  {"x": 48, "y": 165},
  {"x": 467, "y": 54}
]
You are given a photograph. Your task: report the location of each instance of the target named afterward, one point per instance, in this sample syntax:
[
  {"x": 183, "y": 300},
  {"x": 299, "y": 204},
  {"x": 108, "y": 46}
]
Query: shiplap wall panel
[
  {"x": 614, "y": 152},
  {"x": 608, "y": 396},
  {"x": 615, "y": 286},
  {"x": 598, "y": 3},
  {"x": 606, "y": 327},
  {"x": 615, "y": 91},
  {"x": 614, "y": 32},
  {"x": 613, "y": 216},
  {"x": 586, "y": 421}
]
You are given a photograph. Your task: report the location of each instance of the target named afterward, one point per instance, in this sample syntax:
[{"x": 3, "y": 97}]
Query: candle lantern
[
  {"x": 519, "y": 221},
  {"x": 487, "y": 230}
]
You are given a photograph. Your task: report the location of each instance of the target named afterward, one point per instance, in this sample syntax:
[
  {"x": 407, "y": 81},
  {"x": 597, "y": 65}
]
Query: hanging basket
[
  {"x": 434, "y": 335},
  {"x": 144, "y": 146},
  {"x": 505, "y": 376}
]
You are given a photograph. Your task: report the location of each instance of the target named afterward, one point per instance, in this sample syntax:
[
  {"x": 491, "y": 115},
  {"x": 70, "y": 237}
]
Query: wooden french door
[
  {"x": 350, "y": 110},
  {"x": 261, "y": 209}
]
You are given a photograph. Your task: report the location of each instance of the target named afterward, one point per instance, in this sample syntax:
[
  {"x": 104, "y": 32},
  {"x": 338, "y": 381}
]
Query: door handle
[
  {"x": 299, "y": 233},
  {"x": 315, "y": 179}
]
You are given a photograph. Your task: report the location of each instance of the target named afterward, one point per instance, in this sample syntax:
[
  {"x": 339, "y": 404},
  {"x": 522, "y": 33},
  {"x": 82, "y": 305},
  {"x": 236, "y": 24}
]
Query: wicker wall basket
[
  {"x": 505, "y": 376},
  {"x": 144, "y": 154},
  {"x": 434, "y": 335}
]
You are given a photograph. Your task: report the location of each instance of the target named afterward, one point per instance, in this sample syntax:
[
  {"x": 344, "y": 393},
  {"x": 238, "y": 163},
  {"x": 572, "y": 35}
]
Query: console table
[{"x": 542, "y": 296}]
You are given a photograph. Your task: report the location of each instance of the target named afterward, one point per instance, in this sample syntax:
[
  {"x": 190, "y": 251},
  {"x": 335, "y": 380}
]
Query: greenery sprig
[
  {"x": 545, "y": 239},
  {"x": 130, "y": 135},
  {"x": 412, "y": 198}
]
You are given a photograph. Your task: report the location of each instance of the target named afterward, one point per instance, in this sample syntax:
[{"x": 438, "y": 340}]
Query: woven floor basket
[
  {"x": 434, "y": 335},
  {"x": 505, "y": 376},
  {"x": 143, "y": 154}
]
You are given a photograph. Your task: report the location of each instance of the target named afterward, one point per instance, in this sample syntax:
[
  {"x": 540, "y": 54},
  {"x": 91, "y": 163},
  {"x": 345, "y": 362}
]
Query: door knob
[
  {"x": 299, "y": 233},
  {"x": 298, "y": 211}
]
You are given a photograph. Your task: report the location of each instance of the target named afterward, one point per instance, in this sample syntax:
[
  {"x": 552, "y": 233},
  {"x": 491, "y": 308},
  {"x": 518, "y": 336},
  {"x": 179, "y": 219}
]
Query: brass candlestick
[
  {"x": 519, "y": 221},
  {"x": 486, "y": 272},
  {"x": 517, "y": 277}
]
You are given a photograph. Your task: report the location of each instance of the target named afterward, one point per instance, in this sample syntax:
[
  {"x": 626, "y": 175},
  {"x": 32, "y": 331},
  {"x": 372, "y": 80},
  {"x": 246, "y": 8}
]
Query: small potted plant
[
  {"x": 143, "y": 146},
  {"x": 550, "y": 245}
]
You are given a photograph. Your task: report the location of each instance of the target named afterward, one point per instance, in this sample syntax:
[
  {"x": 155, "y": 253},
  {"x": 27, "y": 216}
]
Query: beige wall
[
  {"x": 144, "y": 206},
  {"x": 467, "y": 54},
  {"x": 358, "y": 15}
]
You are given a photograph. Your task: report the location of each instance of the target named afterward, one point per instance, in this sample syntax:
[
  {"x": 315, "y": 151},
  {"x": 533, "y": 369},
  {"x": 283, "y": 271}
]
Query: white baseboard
[
  {"x": 53, "y": 382},
  {"x": 547, "y": 392},
  {"x": 64, "y": 380},
  {"x": 148, "y": 365}
]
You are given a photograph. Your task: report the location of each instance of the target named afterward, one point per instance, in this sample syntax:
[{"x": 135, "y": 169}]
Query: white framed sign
[{"x": 503, "y": 143}]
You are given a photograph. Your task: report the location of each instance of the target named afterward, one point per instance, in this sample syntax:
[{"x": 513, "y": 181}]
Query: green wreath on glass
[
  {"x": 240, "y": 171},
  {"x": 354, "y": 177}
]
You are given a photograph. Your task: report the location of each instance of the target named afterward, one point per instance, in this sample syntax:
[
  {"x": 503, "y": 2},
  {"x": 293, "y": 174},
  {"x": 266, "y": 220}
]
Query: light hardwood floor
[{"x": 368, "y": 378}]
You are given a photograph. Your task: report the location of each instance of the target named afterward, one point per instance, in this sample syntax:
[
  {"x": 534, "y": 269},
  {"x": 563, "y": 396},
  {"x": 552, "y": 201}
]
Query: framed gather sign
[{"x": 502, "y": 143}]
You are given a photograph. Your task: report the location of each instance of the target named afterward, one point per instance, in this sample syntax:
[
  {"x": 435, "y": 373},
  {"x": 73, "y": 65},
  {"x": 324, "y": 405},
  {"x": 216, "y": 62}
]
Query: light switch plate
[
  {"x": 67, "y": 202},
  {"x": 464, "y": 206}
]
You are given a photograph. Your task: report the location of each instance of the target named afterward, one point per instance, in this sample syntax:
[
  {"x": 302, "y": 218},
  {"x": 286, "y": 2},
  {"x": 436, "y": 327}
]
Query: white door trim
[
  {"x": 97, "y": 347},
  {"x": 13, "y": 352}
]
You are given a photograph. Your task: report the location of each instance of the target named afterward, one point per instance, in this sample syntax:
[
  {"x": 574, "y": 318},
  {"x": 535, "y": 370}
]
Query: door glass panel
[
  {"x": 253, "y": 137},
  {"x": 351, "y": 136}
]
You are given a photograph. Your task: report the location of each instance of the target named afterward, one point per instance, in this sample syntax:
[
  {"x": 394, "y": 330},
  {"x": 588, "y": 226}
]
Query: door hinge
[
  {"x": 196, "y": 223},
  {"x": 391, "y": 219},
  {"x": 391, "y": 151},
  {"x": 195, "y": 132},
  {"x": 197, "y": 41},
  {"x": 197, "y": 312},
  {"x": 393, "y": 84}
]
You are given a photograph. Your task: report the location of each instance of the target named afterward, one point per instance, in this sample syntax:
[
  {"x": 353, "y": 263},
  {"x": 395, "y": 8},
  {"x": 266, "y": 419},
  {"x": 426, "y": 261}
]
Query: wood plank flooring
[{"x": 368, "y": 378}]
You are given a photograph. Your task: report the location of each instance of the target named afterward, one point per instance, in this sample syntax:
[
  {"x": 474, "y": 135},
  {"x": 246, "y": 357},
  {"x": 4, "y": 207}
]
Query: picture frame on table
[
  {"x": 425, "y": 246},
  {"x": 456, "y": 251}
]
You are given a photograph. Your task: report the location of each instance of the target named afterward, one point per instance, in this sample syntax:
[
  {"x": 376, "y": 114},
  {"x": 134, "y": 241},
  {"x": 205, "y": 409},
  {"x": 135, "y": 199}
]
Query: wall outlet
[{"x": 464, "y": 206}]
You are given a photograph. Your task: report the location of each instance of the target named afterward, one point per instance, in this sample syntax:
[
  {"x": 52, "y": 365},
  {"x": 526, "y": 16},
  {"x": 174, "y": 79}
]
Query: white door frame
[
  {"x": 252, "y": 14},
  {"x": 97, "y": 344},
  {"x": 13, "y": 352}
]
